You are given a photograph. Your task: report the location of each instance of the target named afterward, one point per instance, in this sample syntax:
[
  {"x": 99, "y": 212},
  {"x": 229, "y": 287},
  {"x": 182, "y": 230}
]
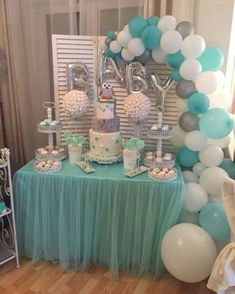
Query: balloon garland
[{"x": 203, "y": 126}]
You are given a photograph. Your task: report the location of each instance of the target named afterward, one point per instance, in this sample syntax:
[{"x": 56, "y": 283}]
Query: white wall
[{"x": 213, "y": 20}]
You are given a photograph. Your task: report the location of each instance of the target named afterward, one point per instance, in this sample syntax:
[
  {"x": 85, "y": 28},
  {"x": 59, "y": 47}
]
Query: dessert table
[{"x": 104, "y": 218}]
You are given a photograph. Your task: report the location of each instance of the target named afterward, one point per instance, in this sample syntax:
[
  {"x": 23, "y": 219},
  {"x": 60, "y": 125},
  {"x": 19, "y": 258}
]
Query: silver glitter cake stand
[
  {"x": 50, "y": 130},
  {"x": 160, "y": 135}
]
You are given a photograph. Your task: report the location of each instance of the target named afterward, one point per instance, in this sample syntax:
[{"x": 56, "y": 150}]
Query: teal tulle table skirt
[{"x": 78, "y": 219}]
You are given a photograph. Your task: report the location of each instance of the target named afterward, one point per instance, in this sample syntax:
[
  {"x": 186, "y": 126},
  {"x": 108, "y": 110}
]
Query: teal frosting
[
  {"x": 133, "y": 143},
  {"x": 78, "y": 219},
  {"x": 73, "y": 140}
]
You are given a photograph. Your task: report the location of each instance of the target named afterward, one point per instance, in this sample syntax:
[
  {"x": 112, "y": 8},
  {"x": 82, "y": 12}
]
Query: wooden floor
[{"x": 47, "y": 278}]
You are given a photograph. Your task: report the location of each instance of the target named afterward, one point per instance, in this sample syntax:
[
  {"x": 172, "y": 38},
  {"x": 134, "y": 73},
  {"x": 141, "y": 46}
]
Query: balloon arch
[{"x": 202, "y": 132}]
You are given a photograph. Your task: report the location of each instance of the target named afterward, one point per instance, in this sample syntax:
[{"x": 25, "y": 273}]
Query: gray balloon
[
  {"x": 108, "y": 41},
  {"x": 185, "y": 28},
  {"x": 145, "y": 57},
  {"x": 185, "y": 88},
  {"x": 188, "y": 121}
]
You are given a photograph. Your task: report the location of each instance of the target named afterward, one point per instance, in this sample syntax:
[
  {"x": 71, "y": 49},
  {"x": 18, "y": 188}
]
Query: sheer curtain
[{"x": 25, "y": 35}]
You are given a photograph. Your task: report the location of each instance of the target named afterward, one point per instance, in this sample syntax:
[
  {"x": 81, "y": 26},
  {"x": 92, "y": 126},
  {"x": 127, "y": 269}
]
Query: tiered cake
[{"x": 105, "y": 137}]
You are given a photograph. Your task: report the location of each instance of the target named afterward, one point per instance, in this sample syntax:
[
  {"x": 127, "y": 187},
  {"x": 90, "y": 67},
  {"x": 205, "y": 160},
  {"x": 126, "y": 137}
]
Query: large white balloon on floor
[
  {"x": 212, "y": 179},
  {"x": 188, "y": 253},
  {"x": 211, "y": 155},
  {"x": 195, "y": 141},
  {"x": 195, "y": 197}
]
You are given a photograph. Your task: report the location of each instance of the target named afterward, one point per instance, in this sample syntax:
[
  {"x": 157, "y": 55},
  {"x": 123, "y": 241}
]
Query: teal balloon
[
  {"x": 216, "y": 123},
  {"x": 229, "y": 166},
  {"x": 213, "y": 220},
  {"x": 175, "y": 60},
  {"x": 153, "y": 20},
  {"x": 187, "y": 157},
  {"x": 137, "y": 25},
  {"x": 110, "y": 35},
  {"x": 151, "y": 37},
  {"x": 198, "y": 103},
  {"x": 176, "y": 75},
  {"x": 211, "y": 59},
  {"x": 109, "y": 53}
]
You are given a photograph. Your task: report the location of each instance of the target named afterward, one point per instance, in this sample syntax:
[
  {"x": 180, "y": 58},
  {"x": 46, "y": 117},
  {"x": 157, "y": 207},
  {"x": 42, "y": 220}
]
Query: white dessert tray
[
  {"x": 54, "y": 170},
  {"x": 174, "y": 177},
  {"x": 103, "y": 159},
  {"x": 59, "y": 156},
  {"x": 50, "y": 129},
  {"x": 160, "y": 134},
  {"x": 85, "y": 167},
  {"x": 164, "y": 163}
]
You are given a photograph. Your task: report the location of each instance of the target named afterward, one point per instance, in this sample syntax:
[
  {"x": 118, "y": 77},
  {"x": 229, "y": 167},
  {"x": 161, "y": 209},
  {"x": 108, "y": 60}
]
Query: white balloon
[
  {"x": 171, "y": 42},
  {"x": 221, "y": 78},
  {"x": 159, "y": 56},
  {"x": 212, "y": 179},
  {"x": 188, "y": 252},
  {"x": 136, "y": 47},
  {"x": 190, "y": 69},
  {"x": 198, "y": 168},
  {"x": 193, "y": 46},
  {"x": 195, "y": 197},
  {"x": 222, "y": 143},
  {"x": 115, "y": 47},
  {"x": 207, "y": 82},
  {"x": 123, "y": 38},
  {"x": 126, "y": 28},
  {"x": 190, "y": 177},
  {"x": 181, "y": 105},
  {"x": 221, "y": 98},
  {"x": 195, "y": 141},
  {"x": 167, "y": 23},
  {"x": 189, "y": 217},
  {"x": 177, "y": 138},
  {"x": 211, "y": 155},
  {"x": 126, "y": 55}
]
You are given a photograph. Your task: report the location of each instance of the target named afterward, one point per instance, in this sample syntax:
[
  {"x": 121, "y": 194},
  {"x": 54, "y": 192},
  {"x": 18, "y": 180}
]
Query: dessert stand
[
  {"x": 161, "y": 165},
  {"x": 50, "y": 127}
]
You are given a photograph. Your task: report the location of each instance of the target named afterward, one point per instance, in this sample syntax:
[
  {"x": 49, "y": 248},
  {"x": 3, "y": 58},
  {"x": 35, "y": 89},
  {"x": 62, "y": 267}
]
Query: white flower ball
[
  {"x": 115, "y": 47},
  {"x": 136, "y": 47},
  {"x": 123, "y": 38},
  {"x": 76, "y": 103},
  {"x": 137, "y": 106},
  {"x": 126, "y": 55}
]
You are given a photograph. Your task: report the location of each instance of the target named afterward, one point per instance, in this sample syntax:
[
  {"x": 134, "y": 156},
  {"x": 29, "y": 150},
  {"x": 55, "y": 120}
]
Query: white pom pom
[
  {"x": 76, "y": 103},
  {"x": 137, "y": 106}
]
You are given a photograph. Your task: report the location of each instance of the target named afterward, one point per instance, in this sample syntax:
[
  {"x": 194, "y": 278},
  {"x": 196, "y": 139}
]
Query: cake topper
[{"x": 106, "y": 92}]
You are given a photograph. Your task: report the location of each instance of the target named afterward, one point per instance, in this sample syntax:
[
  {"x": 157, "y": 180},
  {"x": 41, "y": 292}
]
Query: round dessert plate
[
  {"x": 167, "y": 179},
  {"x": 160, "y": 134},
  {"x": 49, "y": 128},
  {"x": 162, "y": 164},
  {"x": 58, "y": 153},
  {"x": 103, "y": 159},
  {"x": 47, "y": 170}
]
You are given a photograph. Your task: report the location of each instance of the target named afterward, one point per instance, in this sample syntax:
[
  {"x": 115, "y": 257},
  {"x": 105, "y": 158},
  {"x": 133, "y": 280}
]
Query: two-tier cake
[{"x": 105, "y": 137}]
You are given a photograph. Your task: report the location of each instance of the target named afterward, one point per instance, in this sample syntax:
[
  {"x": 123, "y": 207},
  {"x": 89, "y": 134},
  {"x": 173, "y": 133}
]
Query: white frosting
[
  {"x": 105, "y": 144},
  {"x": 105, "y": 110}
]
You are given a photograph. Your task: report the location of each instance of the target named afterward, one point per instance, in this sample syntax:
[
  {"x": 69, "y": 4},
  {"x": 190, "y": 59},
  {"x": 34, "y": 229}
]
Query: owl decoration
[{"x": 106, "y": 92}]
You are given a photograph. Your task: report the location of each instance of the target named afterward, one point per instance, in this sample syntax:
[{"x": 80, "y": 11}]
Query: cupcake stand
[
  {"x": 161, "y": 164},
  {"x": 49, "y": 157}
]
